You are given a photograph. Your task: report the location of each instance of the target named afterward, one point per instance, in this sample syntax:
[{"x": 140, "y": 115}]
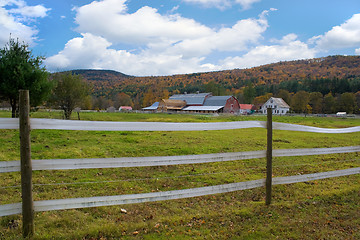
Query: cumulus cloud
[
  {"x": 164, "y": 44},
  {"x": 90, "y": 51},
  {"x": 144, "y": 26},
  {"x": 236, "y": 38},
  {"x": 288, "y": 48},
  {"x": 343, "y": 36},
  {"x": 15, "y": 18},
  {"x": 357, "y": 51}
]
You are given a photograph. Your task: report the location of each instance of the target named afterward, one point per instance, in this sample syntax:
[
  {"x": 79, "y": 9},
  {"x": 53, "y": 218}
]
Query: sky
[{"x": 157, "y": 38}]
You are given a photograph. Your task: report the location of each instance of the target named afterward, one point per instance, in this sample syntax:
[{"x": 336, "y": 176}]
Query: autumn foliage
[{"x": 334, "y": 74}]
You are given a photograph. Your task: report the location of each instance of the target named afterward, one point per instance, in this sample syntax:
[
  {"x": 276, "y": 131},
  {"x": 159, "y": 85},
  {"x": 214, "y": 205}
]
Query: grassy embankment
[{"x": 324, "y": 209}]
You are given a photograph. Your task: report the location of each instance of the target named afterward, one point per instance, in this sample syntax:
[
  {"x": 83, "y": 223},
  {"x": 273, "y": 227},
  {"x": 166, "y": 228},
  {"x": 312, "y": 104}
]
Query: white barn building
[{"x": 278, "y": 105}]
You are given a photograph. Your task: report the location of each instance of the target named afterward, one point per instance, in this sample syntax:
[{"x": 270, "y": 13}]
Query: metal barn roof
[
  {"x": 216, "y": 100},
  {"x": 191, "y": 99}
]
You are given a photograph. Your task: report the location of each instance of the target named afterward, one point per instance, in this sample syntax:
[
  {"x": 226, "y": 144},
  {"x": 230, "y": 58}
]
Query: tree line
[
  {"x": 20, "y": 70},
  {"x": 316, "y": 102}
]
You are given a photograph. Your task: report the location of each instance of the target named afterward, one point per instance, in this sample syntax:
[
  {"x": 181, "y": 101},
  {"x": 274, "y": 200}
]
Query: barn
[
  {"x": 216, "y": 104},
  {"x": 197, "y": 103}
]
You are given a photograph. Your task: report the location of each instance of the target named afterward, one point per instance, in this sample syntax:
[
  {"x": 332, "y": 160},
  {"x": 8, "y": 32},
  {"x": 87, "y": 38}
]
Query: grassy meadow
[{"x": 323, "y": 209}]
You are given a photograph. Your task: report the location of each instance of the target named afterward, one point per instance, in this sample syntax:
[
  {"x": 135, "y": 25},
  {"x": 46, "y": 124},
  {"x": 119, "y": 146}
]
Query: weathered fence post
[
  {"x": 26, "y": 167},
  {"x": 269, "y": 157}
]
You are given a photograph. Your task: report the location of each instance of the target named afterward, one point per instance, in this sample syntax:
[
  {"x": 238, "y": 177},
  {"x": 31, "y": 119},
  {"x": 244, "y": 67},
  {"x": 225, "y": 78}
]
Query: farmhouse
[{"x": 278, "y": 105}]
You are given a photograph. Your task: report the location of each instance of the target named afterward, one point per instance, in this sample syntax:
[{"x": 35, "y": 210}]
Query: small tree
[
  {"x": 20, "y": 70},
  {"x": 69, "y": 92},
  {"x": 347, "y": 102},
  {"x": 300, "y": 101},
  {"x": 249, "y": 93},
  {"x": 329, "y": 103},
  {"x": 316, "y": 102}
]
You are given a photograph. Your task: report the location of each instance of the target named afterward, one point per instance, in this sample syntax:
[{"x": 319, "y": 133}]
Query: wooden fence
[{"x": 27, "y": 166}]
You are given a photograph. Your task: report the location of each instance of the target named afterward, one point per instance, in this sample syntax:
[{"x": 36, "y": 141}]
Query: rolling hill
[{"x": 331, "y": 72}]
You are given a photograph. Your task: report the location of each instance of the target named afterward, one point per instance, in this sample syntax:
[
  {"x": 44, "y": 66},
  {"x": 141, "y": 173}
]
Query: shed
[
  {"x": 125, "y": 108},
  {"x": 341, "y": 114},
  {"x": 153, "y": 107},
  {"x": 246, "y": 108},
  {"x": 110, "y": 109}
]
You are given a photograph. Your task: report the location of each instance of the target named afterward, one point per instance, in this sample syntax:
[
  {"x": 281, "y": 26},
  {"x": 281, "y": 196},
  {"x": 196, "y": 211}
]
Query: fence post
[
  {"x": 269, "y": 157},
  {"x": 26, "y": 167}
]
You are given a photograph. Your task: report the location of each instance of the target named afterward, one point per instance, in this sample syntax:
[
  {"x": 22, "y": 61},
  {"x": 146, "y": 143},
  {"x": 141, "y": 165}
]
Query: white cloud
[
  {"x": 235, "y": 38},
  {"x": 357, "y": 51},
  {"x": 109, "y": 19},
  {"x": 13, "y": 20},
  {"x": 246, "y": 4},
  {"x": 91, "y": 51},
  {"x": 31, "y": 11},
  {"x": 80, "y": 52},
  {"x": 288, "y": 49},
  {"x": 222, "y": 4},
  {"x": 343, "y": 36},
  {"x": 164, "y": 44}
]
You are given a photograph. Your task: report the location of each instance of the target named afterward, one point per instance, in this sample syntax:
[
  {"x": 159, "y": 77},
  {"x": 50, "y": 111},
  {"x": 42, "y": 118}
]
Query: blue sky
[{"x": 153, "y": 37}]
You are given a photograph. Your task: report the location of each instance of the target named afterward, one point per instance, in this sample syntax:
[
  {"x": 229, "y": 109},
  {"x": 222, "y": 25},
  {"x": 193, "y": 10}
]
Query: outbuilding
[
  {"x": 246, "y": 108},
  {"x": 125, "y": 108},
  {"x": 152, "y": 108}
]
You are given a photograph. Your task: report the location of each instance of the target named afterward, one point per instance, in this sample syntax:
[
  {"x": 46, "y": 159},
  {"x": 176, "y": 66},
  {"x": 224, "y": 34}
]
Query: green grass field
[{"x": 323, "y": 209}]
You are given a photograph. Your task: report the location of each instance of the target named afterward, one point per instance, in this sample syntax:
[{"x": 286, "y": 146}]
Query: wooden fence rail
[
  {"x": 56, "y": 124},
  {"x": 28, "y": 208},
  {"x": 71, "y": 203},
  {"x": 88, "y": 163}
]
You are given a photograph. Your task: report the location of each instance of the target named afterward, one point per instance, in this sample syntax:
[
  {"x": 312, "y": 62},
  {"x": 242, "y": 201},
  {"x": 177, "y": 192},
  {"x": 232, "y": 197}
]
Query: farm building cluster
[{"x": 207, "y": 103}]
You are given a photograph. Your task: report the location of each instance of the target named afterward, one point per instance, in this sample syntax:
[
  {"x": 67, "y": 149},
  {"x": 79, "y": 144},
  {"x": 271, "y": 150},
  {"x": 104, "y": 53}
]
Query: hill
[
  {"x": 325, "y": 75},
  {"x": 100, "y": 75}
]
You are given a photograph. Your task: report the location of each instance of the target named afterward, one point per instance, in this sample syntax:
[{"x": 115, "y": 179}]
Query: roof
[
  {"x": 191, "y": 99},
  {"x": 173, "y": 104},
  {"x": 246, "y": 106},
  {"x": 154, "y": 106},
  {"x": 279, "y": 102},
  {"x": 125, "y": 107},
  {"x": 216, "y": 100},
  {"x": 202, "y": 108}
]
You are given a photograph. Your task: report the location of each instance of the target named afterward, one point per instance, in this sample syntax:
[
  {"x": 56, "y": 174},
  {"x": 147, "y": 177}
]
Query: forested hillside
[{"x": 334, "y": 74}]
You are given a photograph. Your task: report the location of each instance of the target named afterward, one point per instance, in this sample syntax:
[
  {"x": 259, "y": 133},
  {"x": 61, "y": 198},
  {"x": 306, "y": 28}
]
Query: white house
[{"x": 278, "y": 105}]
